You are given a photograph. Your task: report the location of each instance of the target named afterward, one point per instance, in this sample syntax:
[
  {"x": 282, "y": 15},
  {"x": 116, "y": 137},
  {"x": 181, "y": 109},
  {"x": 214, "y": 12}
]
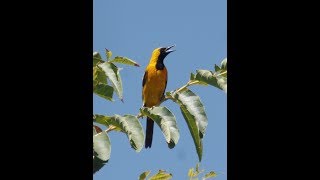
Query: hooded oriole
[{"x": 153, "y": 85}]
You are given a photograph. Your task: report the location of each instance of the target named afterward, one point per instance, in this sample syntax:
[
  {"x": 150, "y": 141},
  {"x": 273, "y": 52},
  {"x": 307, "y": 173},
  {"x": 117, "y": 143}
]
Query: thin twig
[{"x": 191, "y": 82}]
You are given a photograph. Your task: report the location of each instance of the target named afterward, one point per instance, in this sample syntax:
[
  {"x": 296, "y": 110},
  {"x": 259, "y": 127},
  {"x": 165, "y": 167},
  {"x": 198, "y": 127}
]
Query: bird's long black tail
[{"x": 149, "y": 133}]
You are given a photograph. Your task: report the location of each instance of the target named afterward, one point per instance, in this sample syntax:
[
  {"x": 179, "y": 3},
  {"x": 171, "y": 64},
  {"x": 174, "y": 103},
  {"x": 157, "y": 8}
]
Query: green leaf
[
  {"x": 222, "y": 76},
  {"x": 211, "y": 174},
  {"x": 197, "y": 167},
  {"x": 99, "y": 75},
  {"x": 128, "y": 124},
  {"x": 216, "y": 68},
  {"x": 108, "y": 53},
  {"x": 104, "y": 91},
  {"x": 166, "y": 121},
  {"x": 112, "y": 72},
  {"x": 101, "y": 148},
  {"x": 124, "y": 60},
  {"x": 101, "y": 145},
  {"x": 98, "y": 164},
  {"x": 194, "y": 113},
  {"x": 144, "y": 175},
  {"x": 192, "y": 103},
  {"x": 192, "y": 76},
  {"x": 222, "y": 82},
  {"x": 191, "y": 173},
  {"x": 224, "y": 64},
  {"x": 194, "y": 132},
  {"x": 195, "y": 173},
  {"x": 97, "y": 58},
  {"x": 205, "y": 76},
  {"x": 194, "y": 81},
  {"x": 161, "y": 175}
]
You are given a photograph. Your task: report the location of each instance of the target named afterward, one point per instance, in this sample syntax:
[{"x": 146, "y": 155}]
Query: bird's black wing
[
  {"x": 165, "y": 87},
  {"x": 145, "y": 77}
]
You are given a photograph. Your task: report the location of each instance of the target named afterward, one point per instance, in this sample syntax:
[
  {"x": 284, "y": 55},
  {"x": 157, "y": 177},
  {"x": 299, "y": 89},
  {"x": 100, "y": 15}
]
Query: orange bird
[{"x": 154, "y": 85}]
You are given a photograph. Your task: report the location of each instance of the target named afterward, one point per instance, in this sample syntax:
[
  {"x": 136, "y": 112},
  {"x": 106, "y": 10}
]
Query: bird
[{"x": 154, "y": 84}]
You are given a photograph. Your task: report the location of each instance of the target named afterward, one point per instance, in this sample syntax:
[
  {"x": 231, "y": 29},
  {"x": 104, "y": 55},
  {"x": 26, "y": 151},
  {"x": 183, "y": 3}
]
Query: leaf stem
[
  {"x": 140, "y": 115},
  {"x": 111, "y": 127},
  {"x": 220, "y": 74}
]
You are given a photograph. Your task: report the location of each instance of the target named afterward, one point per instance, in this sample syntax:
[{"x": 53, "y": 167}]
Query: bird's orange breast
[{"x": 154, "y": 87}]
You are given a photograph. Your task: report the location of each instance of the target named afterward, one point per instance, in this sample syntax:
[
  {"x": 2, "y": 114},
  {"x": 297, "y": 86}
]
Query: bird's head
[{"x": 160, "y": 53}]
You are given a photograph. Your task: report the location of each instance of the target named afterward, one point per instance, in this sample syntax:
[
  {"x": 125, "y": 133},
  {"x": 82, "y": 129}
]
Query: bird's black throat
[
  {"x": 161, "y": 57},
  {"x": 159, "y": 65}
]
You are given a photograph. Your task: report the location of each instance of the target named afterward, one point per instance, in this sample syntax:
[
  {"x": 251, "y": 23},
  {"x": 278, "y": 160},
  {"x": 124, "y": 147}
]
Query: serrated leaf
[
  {"x": 166, "y": 121},
  {"x": 104, "y": 91},
  {"x": 224, "y": 64},
  {"x": 108, "y": 53},
  {"x": 211, "y": 174},
  {"x": 124, "y": 60},
  {"x": 194, "y": 113},
  {"x": 97, "y": 58},
  {"x": 144, "y": 175},
  {"x": 161, "y": 175},
  {"x": 112, "y": 72},
  {"x": 128, "y": 124}
]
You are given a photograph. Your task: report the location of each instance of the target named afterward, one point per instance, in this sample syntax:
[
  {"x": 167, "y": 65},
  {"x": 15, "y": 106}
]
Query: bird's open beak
[{"x": 169, "y": 50}]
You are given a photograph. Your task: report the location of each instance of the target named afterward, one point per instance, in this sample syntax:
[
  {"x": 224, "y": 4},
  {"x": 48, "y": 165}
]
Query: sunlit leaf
[
  {"x": 194, "y": 113},
  {"x": 97, "y": 58},
  {"x": 224, "y": 64},
  {"x": 222, "y": 82},
  {"x": 104, "y": 91},
  {"x": 211, "y": 174},
  {"x": 205, "y": 77},
  {"x": 124, "y": 60},
  {"x": 99, "y": 75},
  {"x": 144, "y": 175},
  {"x": 112, "y": 72},
  {"x": 161, "y": 175},
  {"x": 101, "y": 145},
  {"x": 108, "y": 54},
  {"x": 192, "y": 103},
  {"x": 191, "y": 173},
  {"x": 128, "y": 124},
  {"x": 166, "y": 121},
  {"x": 216, "y": 68},
  {"x": 101, "y": 148}
]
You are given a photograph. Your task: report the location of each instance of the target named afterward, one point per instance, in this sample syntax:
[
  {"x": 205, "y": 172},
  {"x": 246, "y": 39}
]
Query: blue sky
[{"x": 133, "y": 29}]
